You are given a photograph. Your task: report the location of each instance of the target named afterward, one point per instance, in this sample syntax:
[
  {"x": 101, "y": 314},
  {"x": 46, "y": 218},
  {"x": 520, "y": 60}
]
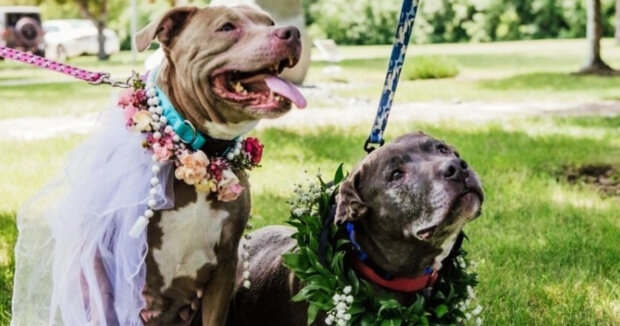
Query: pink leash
[{"x": 94, "y": 78}]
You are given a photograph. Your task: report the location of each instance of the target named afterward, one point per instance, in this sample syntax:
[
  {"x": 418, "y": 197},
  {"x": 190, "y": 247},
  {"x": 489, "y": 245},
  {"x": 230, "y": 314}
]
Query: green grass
[
  {"x": 547, "y": 250},
  {"x": 428, "y": 67}
]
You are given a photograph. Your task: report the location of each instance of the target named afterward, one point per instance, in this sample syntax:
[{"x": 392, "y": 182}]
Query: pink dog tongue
[{"x": 286, "y": 89}]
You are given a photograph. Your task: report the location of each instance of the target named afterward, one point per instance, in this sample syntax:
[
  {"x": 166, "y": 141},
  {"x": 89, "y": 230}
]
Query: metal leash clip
[{"x": 104, "y": 78}]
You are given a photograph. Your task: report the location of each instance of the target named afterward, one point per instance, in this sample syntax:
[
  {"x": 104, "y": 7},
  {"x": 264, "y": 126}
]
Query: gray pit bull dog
[
  {"x": 409, "y": 200},
  {"x": 220, "y": 72}
]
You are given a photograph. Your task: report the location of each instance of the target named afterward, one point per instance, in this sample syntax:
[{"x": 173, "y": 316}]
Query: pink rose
[
  {"x": 162, "y": 153},
  {"x": 139, "y": 96},
  {"x": 229, "y": 193},
  {"x": 125, "y": 97},
  {"x": 192, "y": 168},
  {"x": 254, "y": 148},
  {"x": 227, "y": 179},
  {"x": 128, "y": 112}
]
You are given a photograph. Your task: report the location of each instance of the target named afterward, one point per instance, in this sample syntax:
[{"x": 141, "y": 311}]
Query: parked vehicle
[
  {"x": 20, "y": 28},
  {"x": 67, "y": 38}
]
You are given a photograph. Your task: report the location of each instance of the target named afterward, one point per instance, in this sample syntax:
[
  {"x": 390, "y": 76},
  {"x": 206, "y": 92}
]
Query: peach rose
[
  {"x": 142, "y": 121},
  {"x": 193, "y": 167}
]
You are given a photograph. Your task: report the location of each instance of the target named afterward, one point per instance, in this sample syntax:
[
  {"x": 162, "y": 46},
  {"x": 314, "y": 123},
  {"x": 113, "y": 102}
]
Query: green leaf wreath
[{"x": 334, "y": 291}]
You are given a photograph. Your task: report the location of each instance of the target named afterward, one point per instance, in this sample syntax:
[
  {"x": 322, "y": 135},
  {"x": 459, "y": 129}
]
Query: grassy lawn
[
  {"x": 547, "y": 250},
  {"x": 507, "y": 71},
  {"x": 547, "y": 247}
]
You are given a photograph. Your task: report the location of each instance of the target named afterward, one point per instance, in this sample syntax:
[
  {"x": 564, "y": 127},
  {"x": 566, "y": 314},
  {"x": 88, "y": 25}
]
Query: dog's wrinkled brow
[
  {"x": 399, "y": 160},
  {"x": 427, "y": 145}
]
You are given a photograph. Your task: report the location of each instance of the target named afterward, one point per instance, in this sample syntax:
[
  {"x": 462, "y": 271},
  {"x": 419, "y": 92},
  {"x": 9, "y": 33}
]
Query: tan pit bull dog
[
  {"x": 408, "y": 200},
  {"x": 220, "y": 73}
]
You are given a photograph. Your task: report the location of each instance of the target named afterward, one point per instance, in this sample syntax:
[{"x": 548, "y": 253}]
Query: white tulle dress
[{"x": 78, "y": 226}]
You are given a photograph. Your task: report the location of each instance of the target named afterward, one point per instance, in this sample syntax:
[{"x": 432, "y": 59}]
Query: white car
[{"x": 67, "y": 38}]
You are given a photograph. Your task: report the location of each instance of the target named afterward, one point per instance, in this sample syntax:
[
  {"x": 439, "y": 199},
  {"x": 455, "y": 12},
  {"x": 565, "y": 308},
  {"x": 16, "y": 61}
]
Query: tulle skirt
[{"x": 75, "y": 261}]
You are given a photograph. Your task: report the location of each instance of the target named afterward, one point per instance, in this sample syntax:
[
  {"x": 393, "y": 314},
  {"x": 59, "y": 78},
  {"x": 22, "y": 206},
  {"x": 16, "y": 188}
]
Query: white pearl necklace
[{"x": 159, "y": 121}]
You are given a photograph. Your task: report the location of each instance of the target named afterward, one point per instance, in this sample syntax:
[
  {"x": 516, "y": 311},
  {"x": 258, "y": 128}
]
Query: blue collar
[{"x": 183, "y": 128}]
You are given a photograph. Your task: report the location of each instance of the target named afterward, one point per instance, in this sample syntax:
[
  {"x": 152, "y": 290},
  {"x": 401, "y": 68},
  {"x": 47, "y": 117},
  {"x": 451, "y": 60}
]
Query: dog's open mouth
[{"x": 261, "y": 89}]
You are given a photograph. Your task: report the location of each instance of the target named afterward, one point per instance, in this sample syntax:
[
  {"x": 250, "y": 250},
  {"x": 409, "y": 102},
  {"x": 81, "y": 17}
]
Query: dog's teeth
[
  {"x": 291, "y": 62},
  {"x": 238, "y": 87},
  {"x": 270, "y": 96}
]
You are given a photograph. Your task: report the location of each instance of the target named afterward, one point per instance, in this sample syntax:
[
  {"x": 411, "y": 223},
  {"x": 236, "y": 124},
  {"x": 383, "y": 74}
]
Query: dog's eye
[
  {"x": 272, "y": 23},
  {"x": 443, "y": 149},
  {"x": 396, "y": 175},
  {"x": 227, "y": 27}
]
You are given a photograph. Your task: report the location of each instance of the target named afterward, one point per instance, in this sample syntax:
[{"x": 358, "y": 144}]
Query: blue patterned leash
[{"x": 403, "y": 34}]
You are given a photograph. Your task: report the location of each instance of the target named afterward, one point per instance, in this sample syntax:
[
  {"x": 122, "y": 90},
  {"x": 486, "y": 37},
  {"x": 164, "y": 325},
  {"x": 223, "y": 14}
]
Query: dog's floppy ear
[
  {"x": 350, "y": 206},
  {"x": 165, "y": 28}
]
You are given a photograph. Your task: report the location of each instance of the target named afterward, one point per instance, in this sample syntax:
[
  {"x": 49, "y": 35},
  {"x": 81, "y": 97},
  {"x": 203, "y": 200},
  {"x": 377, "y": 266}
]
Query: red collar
[{"x": 400, "y": 284}]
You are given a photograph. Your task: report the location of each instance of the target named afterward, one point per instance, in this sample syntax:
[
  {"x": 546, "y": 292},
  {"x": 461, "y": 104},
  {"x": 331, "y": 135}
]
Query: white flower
[
  {"x": 478, "y": 321},
  {"x": 477, "y": 311},
  {"x": 470, "y": 292},
  {"x": 299, "y": 211},
  {"x": 342, "y": 322},
  {"x": 329, "y": 320},
  {"x": 336, "y": 298},
  {"x": 347, "y": 289},
  {"x": 349, "y": 299},
  {"x": 347, "y": 317},
  {"x": 468, "y": 316},
  {"x": 341, "y": 306}
]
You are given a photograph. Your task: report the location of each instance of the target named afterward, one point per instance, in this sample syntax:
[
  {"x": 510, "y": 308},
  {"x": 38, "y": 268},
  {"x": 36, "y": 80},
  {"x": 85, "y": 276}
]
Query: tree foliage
[{"x": 371, "y": 22}]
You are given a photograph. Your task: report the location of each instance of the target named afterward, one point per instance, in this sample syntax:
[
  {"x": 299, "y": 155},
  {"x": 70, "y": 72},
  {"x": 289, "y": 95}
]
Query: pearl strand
[
  {"x": 245, "y": 257},
  {"x": 158, "y": 121},
  {"x": 235, "y": 151}
]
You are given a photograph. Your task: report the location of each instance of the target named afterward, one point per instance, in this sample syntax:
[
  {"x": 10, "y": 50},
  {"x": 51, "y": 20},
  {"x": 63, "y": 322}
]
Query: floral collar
[
  {"x": 173, "y": 140},
  {"x": 344, "y": 296}
]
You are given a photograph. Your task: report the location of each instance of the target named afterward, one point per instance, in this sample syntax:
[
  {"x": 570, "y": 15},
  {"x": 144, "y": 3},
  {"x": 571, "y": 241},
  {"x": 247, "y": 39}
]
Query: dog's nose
[
  {"x": 289, "y": 33},
  {"x": 454, "y": 169}
]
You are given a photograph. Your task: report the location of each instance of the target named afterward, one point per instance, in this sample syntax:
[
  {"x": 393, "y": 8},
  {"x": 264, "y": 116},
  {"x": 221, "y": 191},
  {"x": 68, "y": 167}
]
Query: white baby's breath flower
[
  {"x": 468, "y": 316},
  {"x": 477, "y": 311},
  {"x": 341, "y": 306},
  {"x": 478, "y": 321},
  {"x": 349, "y": 299},
  {"x": 347, "y": 289}
]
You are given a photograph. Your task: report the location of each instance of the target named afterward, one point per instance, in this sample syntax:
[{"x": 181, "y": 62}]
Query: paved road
[{"x": 472, "y": 112}]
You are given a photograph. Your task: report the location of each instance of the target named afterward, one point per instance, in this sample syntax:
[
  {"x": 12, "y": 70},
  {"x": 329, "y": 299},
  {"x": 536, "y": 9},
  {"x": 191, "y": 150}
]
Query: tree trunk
[
  {"x": 618, "y": 22},
  {"x": 594, "y": 64},
  {"x": 97, "y": 12},
  {"x": 101, "y": 40}
]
